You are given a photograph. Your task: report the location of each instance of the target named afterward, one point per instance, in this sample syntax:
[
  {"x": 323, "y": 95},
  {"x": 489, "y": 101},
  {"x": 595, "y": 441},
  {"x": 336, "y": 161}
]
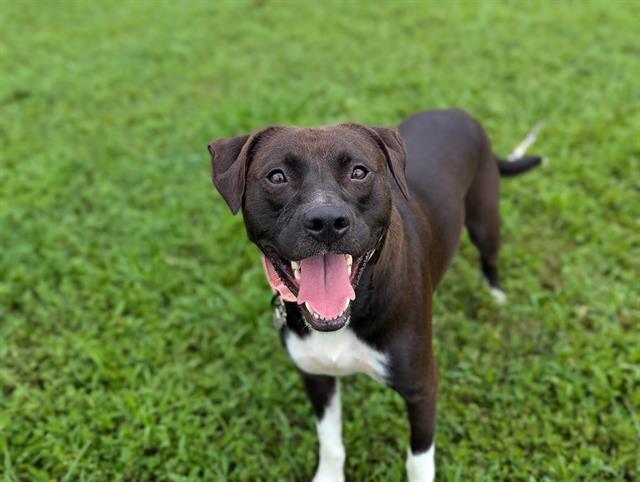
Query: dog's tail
[{"x": 517, "y": 163}]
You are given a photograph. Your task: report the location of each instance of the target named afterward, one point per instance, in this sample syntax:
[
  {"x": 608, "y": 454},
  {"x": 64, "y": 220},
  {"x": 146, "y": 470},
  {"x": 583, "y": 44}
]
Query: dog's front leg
[
  {"x": 324, "y": 394},
  {"x": 420, "y": 400},
  {"x": 421, "y": 454}
]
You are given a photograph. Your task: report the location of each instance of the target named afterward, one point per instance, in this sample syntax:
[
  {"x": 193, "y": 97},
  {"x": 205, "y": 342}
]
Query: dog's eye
[
  {"x": 277, "y": 177},
  {"x": 359, "y": 172}
]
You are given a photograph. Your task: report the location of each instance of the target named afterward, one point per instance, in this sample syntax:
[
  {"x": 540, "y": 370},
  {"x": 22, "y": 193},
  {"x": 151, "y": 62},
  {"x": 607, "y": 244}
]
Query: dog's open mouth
[{"x": 323, "y": 285}]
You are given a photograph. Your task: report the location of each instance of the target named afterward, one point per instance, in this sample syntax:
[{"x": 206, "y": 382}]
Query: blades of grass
[
  {"x": 75, "y": 462},
  {"x": 9, "y": 473}
]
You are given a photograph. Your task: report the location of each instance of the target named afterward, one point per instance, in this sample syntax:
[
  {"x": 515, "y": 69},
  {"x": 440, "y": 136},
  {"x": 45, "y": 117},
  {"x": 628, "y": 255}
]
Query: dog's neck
[
  {"x": 392, "y": 258},
  {"x": 383, "y": 288}
]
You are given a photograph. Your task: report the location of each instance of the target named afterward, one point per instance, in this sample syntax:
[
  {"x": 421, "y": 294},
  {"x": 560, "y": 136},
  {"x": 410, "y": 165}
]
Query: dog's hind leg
[
  {"x": 324, "y": 394},
  {"x": 482, "y": 218}
]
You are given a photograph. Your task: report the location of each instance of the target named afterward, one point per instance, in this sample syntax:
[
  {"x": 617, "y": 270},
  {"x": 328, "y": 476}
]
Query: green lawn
[{"x": 136, "y": 340}]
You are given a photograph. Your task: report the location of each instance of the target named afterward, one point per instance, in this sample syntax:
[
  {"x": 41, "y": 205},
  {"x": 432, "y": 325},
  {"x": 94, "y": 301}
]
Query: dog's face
[{"x": 317, "y": 202}]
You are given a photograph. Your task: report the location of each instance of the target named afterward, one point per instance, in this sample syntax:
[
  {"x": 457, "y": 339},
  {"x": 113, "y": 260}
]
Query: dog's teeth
[
  {"x": 349, "y": 269},
  {"x": 295, "y": 266},
  {"x": 346, "y": 305},
  {"x": 313, "y": 313},
  {"x": 349, "y": 259}
]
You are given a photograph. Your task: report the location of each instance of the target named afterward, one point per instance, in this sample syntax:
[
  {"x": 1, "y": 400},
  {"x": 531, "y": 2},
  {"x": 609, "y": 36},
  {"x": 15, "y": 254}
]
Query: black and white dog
[{"x": 358, "y": 225}]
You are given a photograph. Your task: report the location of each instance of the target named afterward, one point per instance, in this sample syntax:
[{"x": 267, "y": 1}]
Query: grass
[{"x": 135, "y": 331}]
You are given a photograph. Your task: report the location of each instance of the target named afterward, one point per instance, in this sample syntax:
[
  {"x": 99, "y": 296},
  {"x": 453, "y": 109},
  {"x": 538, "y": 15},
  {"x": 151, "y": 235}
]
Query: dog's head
[{"x": 317, "y": 202}]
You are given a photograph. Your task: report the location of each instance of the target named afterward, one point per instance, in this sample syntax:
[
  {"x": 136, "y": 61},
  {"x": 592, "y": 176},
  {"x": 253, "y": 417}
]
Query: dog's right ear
[
  {"x": 230, "y": 159},
  {"x": 228, "y": 169}
]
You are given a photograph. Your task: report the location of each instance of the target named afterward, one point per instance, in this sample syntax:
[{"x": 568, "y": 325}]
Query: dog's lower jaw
[
  {"x": 421, "y": 466},
  {"x": 332, "y": 453}
]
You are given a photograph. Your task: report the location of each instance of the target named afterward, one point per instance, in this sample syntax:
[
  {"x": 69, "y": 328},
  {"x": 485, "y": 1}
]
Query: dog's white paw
[
  {"x": 421, "y": 467},
  {"x": 331, "y": 464},
  {"x": 499, "y": 296},
  {"x": 329, "y": 472}
]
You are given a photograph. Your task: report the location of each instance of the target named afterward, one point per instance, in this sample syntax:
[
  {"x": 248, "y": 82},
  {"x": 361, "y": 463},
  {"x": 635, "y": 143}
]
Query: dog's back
[{"x": 455, "y": 176}]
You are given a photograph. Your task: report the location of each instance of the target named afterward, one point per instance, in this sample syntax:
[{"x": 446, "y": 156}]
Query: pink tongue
[{"x": 325, "y": 284}]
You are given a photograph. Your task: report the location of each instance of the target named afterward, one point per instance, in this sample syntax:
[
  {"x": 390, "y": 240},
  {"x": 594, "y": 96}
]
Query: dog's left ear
[
  {"x": 229, "y": 162},
  {"x": 393, "y": 147}
]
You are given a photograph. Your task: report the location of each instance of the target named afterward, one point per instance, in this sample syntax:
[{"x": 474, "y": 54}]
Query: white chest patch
[{"x": 336, "y": 353}]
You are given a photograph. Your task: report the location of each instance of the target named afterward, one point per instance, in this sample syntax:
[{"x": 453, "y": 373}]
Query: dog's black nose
[{"x": 326, "y": 223}]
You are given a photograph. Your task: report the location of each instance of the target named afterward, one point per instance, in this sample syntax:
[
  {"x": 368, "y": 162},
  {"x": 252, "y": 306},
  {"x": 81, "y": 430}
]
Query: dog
[{"x": 357, "y": 226}]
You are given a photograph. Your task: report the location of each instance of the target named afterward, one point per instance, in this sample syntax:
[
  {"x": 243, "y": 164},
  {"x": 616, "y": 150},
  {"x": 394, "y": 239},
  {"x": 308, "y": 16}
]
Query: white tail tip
[{"x": 526, "y": 143}]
